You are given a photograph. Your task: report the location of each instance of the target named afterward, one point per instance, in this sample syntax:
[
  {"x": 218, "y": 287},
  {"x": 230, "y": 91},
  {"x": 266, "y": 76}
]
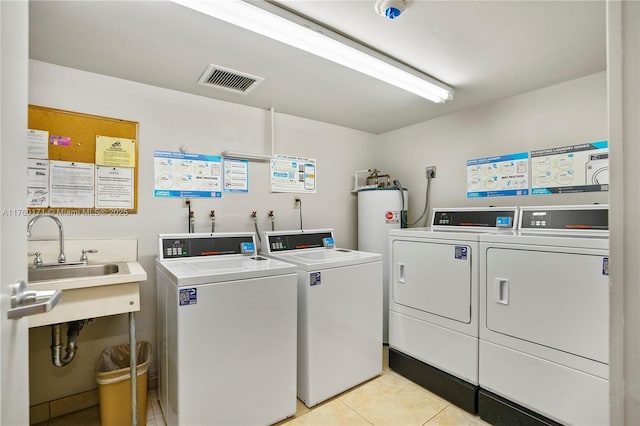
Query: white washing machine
[
  {"x": 433, "y": 301},
  {"x": 226, "y": 331},
  {"x": 339, "y": 311},
  {"x": 544, "y": 319}
]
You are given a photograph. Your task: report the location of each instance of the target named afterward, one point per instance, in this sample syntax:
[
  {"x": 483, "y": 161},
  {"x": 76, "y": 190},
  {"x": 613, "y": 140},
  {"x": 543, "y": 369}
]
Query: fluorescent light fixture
[
  {"x": 246, "y": 155},
  {"x": 305, "y": 35}
]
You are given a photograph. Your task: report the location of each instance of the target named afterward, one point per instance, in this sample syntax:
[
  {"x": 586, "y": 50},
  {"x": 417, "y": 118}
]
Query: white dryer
[
  {"x": 339, "y": 311},
  {"x": 433, "y": 301},
  {"x": 226, "y": 331},
  {"x": 544, "y": 319}
]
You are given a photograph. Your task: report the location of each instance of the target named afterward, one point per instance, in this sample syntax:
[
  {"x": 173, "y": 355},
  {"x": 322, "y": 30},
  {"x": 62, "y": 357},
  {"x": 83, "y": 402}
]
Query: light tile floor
[
  {"x": 388, "y": 399},
  {"x": 91, "y": 416}
]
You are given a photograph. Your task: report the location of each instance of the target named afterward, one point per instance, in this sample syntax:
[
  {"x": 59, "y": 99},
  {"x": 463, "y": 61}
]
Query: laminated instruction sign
[
  {"x": 236, "y": 175},
  {"x": 574, "y": 168},
  {"x": 499, "y": 176},
  {"x": 179, "y": 174},
  {"x": 292, "y": 174}
]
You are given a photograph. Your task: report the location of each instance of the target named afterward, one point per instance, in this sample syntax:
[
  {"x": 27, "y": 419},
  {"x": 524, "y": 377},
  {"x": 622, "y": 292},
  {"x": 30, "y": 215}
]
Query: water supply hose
[{"x": 254, "y": 216}]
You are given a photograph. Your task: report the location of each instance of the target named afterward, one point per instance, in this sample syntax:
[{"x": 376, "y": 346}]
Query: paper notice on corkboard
[{"x": 115, "y": 152}]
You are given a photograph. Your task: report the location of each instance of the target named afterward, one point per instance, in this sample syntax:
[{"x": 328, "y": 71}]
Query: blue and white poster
[
  {"x": 567, "y": 169},
  {"x": 236, "y": 175},
  {"x": 292, "y": 174},
  {"x": 179, "y": 174},
  {"x": 499, "y": 176}
]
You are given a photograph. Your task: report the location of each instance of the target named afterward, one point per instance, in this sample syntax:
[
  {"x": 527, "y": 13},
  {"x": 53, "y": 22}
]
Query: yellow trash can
[{"x": 114, "y": 384}]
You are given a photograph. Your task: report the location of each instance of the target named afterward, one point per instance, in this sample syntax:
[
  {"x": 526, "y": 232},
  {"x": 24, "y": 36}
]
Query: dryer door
[
  {"x": 433, "y": 277},
  {"x": 549, "y": 297}
]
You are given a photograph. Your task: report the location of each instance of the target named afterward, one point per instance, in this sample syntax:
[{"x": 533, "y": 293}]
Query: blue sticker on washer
[
  {"x": 314, "y": 278},
  {"x": 247, "y": 248},
  {"x": 188, "y": 296},
  {"x": 461, "y": 252},
  {"x": 605, "y": 266},
  {"x": 328, "y": 242}
]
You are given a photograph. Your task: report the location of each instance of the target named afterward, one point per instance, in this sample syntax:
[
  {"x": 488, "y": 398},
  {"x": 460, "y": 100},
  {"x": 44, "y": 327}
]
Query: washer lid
[
  {"x": 313, "y": 249},
  {"x": 314, "y": 259},
  {"x": 186, "y": 272}
]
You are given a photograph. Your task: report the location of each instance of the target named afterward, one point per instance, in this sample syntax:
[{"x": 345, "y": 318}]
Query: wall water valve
[{"x": 430, "y": 172}]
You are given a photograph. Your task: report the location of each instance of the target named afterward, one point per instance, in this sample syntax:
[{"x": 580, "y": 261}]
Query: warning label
[{"x": 392, "y": 217}]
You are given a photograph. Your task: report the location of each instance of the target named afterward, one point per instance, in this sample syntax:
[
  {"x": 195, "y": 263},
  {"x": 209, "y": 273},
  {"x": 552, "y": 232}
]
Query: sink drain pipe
[{"x": 73, "y": 330}]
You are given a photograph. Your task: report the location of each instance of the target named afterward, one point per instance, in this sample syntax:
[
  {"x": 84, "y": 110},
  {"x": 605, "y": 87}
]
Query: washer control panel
[
  {"x": 199, "y": 245},
  {"x": 302, "y": 240}
]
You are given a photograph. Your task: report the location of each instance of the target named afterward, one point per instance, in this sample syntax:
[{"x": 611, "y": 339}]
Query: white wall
[
  {"x": 570, "y": 113},
  {"x": 623, "y": 64},
  {"x": 169, "y": 120}
]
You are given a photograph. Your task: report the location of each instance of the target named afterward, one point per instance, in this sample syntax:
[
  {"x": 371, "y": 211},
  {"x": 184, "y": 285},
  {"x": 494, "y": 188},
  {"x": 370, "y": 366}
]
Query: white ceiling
[{"x": 486, "y": 50}]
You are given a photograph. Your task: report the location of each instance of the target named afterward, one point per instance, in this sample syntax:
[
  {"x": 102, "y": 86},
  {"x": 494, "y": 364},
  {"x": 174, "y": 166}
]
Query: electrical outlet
[
  {"x": 430, "y": 172},
  {"x": 296, "y": 202},
  {"x": 186, "y": 202}
]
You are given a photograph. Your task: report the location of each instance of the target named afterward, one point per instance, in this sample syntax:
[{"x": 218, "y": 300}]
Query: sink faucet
[{"x": 61, "y": 257}]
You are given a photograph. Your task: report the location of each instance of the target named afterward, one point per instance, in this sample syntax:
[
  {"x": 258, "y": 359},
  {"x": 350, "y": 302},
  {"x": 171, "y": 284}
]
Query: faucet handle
[
  {"x": 84, "y": 257},
  {"x": 37, "y": 261}
]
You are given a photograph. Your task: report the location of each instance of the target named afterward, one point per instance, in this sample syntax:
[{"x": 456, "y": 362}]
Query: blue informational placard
[
  {"x": 179, "y": 174},
  {"x": 498, "y": 176},
  {"x": 293, "y": 174},
  {"x": 568, "y": 169},
  {"x": 236, "y": 175}
]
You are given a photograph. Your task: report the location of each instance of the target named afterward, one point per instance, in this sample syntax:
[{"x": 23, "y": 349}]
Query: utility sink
[
  {"x": 107, "y": 284},
  {"x": 56, "y": 272},
  {"x": 88, "y": 291}
]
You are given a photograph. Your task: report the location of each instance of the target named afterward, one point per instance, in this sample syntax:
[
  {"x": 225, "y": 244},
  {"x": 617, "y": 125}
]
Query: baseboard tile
[{"x": 59, "y": 407}]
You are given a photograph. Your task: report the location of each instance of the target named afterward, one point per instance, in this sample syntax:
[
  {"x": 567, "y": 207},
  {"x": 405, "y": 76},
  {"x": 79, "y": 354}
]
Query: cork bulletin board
[{"x": 95, "y": 145}]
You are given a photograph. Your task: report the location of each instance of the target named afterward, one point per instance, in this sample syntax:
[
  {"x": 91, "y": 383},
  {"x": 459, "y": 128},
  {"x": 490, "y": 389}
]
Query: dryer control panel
[
  {"x": 587, "y": 218},
  {"x": 506, "y": 218}
]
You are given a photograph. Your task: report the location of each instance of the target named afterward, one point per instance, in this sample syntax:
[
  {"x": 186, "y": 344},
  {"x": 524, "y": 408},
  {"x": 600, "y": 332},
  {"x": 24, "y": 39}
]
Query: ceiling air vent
[{"x": 228, "y": 79}]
